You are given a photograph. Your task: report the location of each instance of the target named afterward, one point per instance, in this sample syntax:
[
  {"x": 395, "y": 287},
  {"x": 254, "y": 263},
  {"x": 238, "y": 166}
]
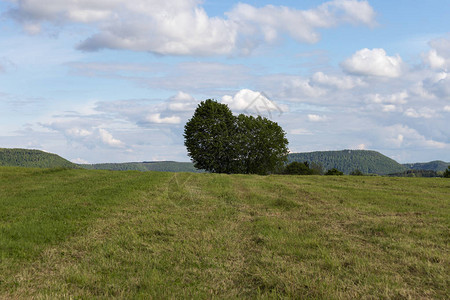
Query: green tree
[
  {"x": 447, "y": 173},
  {"x": 356, "y": 172},
  {"x": 316, "y": 168},
  {"x": 219, "y": 142},
  {"x": 298, "y": 168},
  {"x": 209, "y": 137},
  {"x": 334, "y": 171},
  {"x": 261, "y": 145}
]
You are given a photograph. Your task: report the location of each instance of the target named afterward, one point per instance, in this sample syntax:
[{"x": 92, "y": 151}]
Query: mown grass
[{"x": 101, "y": 234}]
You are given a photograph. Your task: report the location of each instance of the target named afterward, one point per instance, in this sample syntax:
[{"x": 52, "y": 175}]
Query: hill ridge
[
  {"x": 348, "y": 160},
  {"x": 18, "y": 157}
]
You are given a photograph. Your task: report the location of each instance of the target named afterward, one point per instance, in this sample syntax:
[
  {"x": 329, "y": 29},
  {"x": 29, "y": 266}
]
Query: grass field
[{"x": 103, "y": 234}]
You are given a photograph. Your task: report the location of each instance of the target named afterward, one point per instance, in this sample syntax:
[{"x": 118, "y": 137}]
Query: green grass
[{"x": 101, "y": 234}]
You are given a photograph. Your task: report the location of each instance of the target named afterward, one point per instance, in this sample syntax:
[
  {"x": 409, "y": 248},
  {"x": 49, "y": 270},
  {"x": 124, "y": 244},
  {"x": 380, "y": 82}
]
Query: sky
[{"x": 116, "y": 80}]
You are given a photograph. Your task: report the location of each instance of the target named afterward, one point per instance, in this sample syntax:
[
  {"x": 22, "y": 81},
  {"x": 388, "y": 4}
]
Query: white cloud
[
  {"x": 373, "y": 62},
  {"x": 77, "y": 132},
  {"x": 388, "y": 103},
  {"x": 156, "y": 118},
  {"x": 271, "y": 21},
  {"x": 438, "y": 57},
  {"x": 402, "y": 136},
  {"x": 79, "y": 161},
  {"x": 340, "y": 82},
  {"x": 316, "y": 118},
  {"x": 389, "y": 108},
  {"x": 144, "y": 112},
  {"x": 108, "y": 139},
  {"x": 435, "y": 60},
  {"x": 397, "y": 98},
  {"x": 300, "y": 131},
  {"x": 182, "y": 27},
  {"x": 426, "y": 113},
  {"x": 447, "y": 108},
  {"x": 441, "y": 87},
  {"x": 182, "y": 102},
  {"x": 251, "y": 101},
  {"x": 361, "y": 147},
  {"x": 298, "y": 87}
]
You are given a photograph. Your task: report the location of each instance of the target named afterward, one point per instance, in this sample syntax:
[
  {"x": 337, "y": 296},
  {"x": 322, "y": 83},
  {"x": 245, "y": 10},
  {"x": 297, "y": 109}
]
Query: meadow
[{"x": 67, "y": 233}]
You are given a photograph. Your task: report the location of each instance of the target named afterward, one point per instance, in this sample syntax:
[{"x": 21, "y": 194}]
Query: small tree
[
  {"x": 334, "y": 171},
  {"x": 298, "y": 168},
  {"x": 209, "y": 136},
  {"x": 261, "y": 145},
  {"x": 447, "y": 173},
  {"x": 219, "y": 142},
  {"x": 316, "y": 168},
  {"x": 356, "y": 173}
]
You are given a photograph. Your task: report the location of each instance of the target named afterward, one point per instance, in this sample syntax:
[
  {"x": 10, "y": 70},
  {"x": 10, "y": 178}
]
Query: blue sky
[{"x": 115, "y": 81}]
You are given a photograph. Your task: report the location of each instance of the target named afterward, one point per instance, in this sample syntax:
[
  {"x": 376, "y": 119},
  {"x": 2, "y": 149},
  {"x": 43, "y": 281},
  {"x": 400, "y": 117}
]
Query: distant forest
[
  {"x": 347, "y": 161},
  {"x": 32, "y": 159}
]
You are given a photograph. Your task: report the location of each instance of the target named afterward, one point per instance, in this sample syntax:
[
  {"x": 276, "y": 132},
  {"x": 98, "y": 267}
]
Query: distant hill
[
  {"x": 163, "y": 166},
  {"x": 437, "y": 166},
  {"x": 32, "y": 158},
  {"x": 368, "y": 162}
]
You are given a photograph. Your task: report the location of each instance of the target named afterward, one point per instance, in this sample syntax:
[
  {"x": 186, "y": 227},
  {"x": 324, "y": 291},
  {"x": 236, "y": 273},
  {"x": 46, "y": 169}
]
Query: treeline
[
  {"x": 306, "y": 168},
  {"x": 162, "y": 166},
  {"x": 436, "y": 165},
  {"x": 423, "y": 173},
  {"x": 33, "y": 159},
  {"x": 347, "y": 161}
]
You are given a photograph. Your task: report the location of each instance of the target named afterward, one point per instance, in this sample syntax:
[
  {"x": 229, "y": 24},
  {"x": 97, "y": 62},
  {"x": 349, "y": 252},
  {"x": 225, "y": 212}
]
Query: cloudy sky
[{"x": 116, "y": 80}]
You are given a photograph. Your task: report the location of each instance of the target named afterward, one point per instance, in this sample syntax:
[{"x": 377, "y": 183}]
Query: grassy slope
[{"x": 164, "y": 235}]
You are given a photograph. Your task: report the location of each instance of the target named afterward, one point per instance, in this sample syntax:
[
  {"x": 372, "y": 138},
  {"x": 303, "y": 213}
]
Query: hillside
[
  {"x": 32, "y": 158},
  {"x": 368, "y": 162},
  {"x": 164, "y": 166},
  {"x": 88, "y": 234},
  {"x": 437, "y": 166}
]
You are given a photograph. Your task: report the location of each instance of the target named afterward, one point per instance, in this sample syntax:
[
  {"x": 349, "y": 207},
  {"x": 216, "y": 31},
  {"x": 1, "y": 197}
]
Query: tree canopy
[
  {"x": 219, "y": 142},
  {"x": 447, "y": 173}
]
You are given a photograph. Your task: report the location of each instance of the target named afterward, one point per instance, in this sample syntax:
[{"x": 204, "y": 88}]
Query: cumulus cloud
[
  {"x": 271, "y": 21},
  {"x": 425, "y": 112},
  {"x": 182, "y": 27},
  {"x": 403, "y": 136},
  {"x": 79, "y": 161},
  {"x": 441, "y": 85},
  {"x": 438, "y": 57},
  {"x": 387, "y": 102},
  {"x": 316, "y": 118},
  {"x": 297, "y": 88},
  {"x": 145, "y": 112},
  {"x": 396, "y": 98},
  {"x": 253, "y": 102},
  {"x": 341, "y": 82},
  {"x": 84, "y": 130},
  {"x": 108, "y": 139},
  {"x": 156, "y": 118},
  {"x": 300, "y": 131},
  {"x": 373, "y": 62},
  {"x": 182, "y": 102}
]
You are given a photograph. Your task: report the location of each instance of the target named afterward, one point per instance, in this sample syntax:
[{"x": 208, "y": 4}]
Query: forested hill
[
  {"x": 32, "y": 158},
  {"x": 164, "y": 166},
  {"x": 368, "y": 162},
  {"x": 437, "y": 166}
]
